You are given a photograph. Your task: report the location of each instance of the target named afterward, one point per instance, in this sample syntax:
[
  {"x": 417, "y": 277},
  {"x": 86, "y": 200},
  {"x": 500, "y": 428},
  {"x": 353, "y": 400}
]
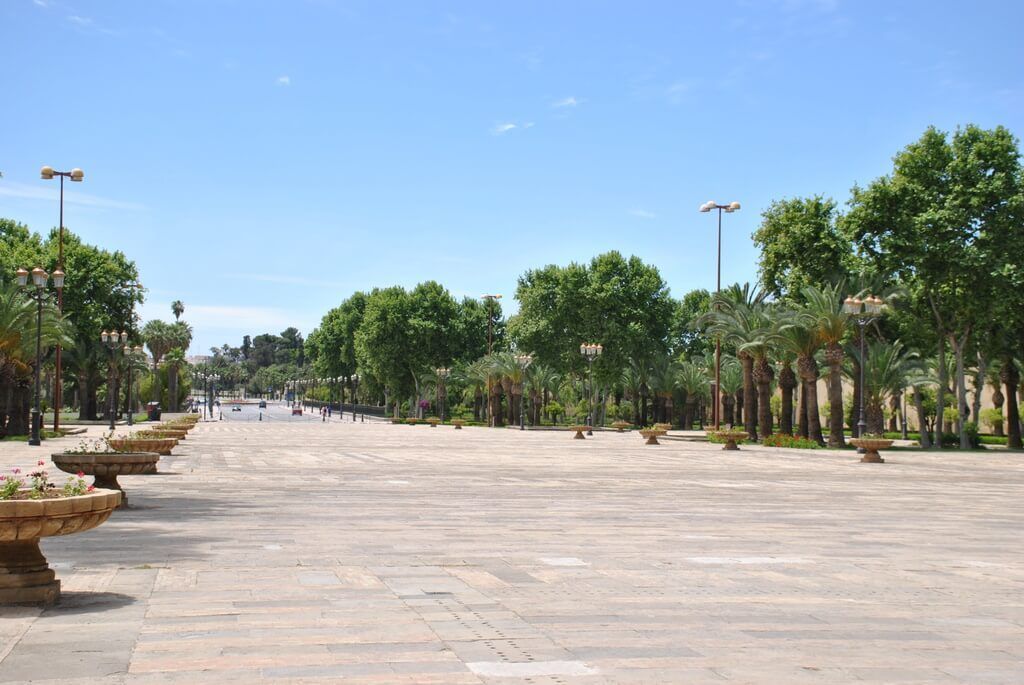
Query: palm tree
[
  {"x": 160, "y": 338},
  {"x": 731, "y": 379},
  {"x": 475, "y": 376},
  {"x": 801, "y": 339},
  {"x": 541, "y": 380},
  {"x": 825, "y": 306},
  {"x": 177, "y": 308},
  {"x": 174, "y": 360},
  {"x": 887, "y": 366},
  {"x": 663, "y": 382},
  {"x": 692, "y": 379},
  {"x": 1009, "y": 374}
]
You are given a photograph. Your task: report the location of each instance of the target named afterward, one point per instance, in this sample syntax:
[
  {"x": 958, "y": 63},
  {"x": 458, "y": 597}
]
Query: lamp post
[
  {"x": 591, "y": 351},
  {"x": 524, "y": 360},
  {"x": 728, "y": 209},
  {"x": 132, "y": 353},
  {"x": 38, "y": 293},
  {"x": 442, "y": 389},
  {"x": 355, "y": 396},
  {"x": 76, "y": 175},
  {"x": 113, "y": 341},
  {"x": 490, "y": 343},
  {"x": 864, "y": 311}
]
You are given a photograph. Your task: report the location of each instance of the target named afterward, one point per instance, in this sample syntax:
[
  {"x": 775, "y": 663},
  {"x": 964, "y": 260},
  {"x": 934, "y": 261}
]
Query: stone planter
[
  {"x": 579, "y": 432},
  {"x": 433, "y": 421},
  {"x": 621, "y": 426},
  {"x": 25, "y": 577},
  {"x": 458, "y": 423},
  {"x": 178, "y": 433},
  {"x": 651, "y": 435},
  {"x": 663, "y": 427},
  {"x": 871, "y": 447},
  {"x": 105, "y": 467},
  {"x": 162, "y": 446},
  {"x": 730, "y": 438}
]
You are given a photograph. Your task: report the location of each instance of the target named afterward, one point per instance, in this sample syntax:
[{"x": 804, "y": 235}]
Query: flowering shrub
[
  {"x": 39, "y": 485},
  {"x": 783, "y": 440},
  {"x": 100, "y": 445}
]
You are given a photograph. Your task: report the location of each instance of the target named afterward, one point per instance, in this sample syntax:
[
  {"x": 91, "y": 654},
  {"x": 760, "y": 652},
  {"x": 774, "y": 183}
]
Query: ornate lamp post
[
  {"x": 355, "y": 396},
  {"x": 114, "y": 341},
  {"x": 76, "y": 175},
  {"x": 524, "y": 360},
  {"x": 728, "y": 209},
  {"x": 442, "y": 387},
  {"x": 38, "y": 293},
  {"x": 591, "y": 351},
  {"x": 865, "y": 311}
]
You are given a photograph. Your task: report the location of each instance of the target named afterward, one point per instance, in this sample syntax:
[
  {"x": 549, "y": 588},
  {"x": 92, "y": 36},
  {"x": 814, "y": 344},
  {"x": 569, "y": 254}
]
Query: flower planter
[
  {"x": 178, "y": 433},
  {"x": 105, "y": 467},
  {"x": 579, "y": 432},
  {"x": 621, "y": 426},
  {"x": 666, "y": 427},
  {"x": 25, "y": 577},
  {"x": 458, "y": 423},
  {"x": 433, "y": 422},
  {"x": 162, "y": 446},
  {"x": 651, "y": 435},
  {"x": 871, "y": 447},
  {"x": 730, "y": 438}
]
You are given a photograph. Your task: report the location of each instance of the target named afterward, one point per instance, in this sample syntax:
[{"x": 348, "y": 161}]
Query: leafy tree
[{"x": 801, "y": 244}]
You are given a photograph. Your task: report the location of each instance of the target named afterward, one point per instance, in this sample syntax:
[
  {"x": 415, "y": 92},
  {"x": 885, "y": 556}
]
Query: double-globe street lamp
[
  {"x": 38, "y": 293},
  {"x": 524, "y": 361},
  {"x": 75, "y": 175},
  {"x": 728, "y": 209},
  {"x": 864, "y": 311},
  {"x": 591, "y": 351},
  {"x": 113, "y": 341}
]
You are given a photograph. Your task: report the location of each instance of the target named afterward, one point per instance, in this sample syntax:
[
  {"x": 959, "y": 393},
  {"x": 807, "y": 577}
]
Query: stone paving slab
[{"x": 307, "y": 552}]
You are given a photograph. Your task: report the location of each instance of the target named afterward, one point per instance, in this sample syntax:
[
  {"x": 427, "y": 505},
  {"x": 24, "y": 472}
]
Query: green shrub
[
  {"x": 993, "y": 418},
  {"x": 953, "y": 439}
]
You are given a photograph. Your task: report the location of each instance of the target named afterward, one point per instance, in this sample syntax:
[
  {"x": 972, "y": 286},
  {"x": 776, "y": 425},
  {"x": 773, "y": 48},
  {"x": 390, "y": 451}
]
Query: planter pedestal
[
  {"x": 871, "y": 447},
  {"x": 872, "y": 457},
  {"x": 25, "y": 577},
  {"x": 730, "y": 438},
  {"x": 106, "y": 467},
  {"x": 651, "y": 435}
]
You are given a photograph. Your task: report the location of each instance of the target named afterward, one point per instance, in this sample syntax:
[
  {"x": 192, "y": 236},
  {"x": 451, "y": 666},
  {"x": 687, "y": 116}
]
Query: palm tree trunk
[
  {"x": 172, "y": 388},
  {"x": 763, "y": 376},
  {"x": 787, "y": 381},
  {"x": 749, "y": 397},
  {"x": 894, "y": 409},
  {"x": 802, "y": 419},
  {"x": 738, "y": 408},
  {"x": 997, "y": 402}
]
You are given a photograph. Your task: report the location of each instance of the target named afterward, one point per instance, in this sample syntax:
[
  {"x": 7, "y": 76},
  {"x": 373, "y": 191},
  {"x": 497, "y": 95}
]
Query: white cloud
[
  {"x": 502, "y": 129},
  {"x": 528, "y": 124},
  {"x": 643, "y": 214},
  {"x": 51, "y": 194},
  {"x": 566, "y": 102},
  {"x": 80, "y": 21},
  {"x": 284, "y": 81}
]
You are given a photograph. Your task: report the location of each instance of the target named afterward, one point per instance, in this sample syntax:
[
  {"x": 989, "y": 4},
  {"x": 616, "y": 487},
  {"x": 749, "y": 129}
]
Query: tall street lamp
[
  {"x": 728, "y": 209},
  {"x": 591, "y": 351},
  {"x": 865, "y": 311},
  {"x": 76, "y": 175},
  {"x": 113, "y": 341},
  {"x": 524, "y": 361},
  {"x": 39, "y": 280}
]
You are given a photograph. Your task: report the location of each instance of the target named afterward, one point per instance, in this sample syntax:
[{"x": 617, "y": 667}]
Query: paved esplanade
[{"x": 297, "y": 551}]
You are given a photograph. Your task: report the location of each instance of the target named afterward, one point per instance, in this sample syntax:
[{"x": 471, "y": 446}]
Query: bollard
[{"x": 261, "y": 416}]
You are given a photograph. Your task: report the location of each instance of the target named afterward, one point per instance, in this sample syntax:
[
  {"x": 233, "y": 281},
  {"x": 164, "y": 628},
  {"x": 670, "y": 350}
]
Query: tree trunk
[
  {"x": 922, "y": 420},
  {"x": 1010, "y": 377},
  {"x": 728, "y": 403},
  {"x": 749, "y": 397},
  {"x": 961, "y": 386},
  {"x": 834, "y": 357},
  {"x": 787, "y": 381},
  {"x": 875, "y": 418},
  {"x": 894, "y": 409},
  {"x": 763, "y": 376},
  {"x": 172, "y": 388},
  {"x": 940, "y": 393},
  {"x": 802, "y": 420},
  {"x": 997, "y": 402},
  {"x": 979, "y": 387},
  {"x": 809, "y": 374}
]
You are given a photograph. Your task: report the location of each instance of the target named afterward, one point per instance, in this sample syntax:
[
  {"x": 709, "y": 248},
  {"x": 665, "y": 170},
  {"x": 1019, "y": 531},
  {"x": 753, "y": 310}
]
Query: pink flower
[
  {"x": 40, "y": 463},
  {"x": 80, "y": 474},
  {"x": 16, "y": 470},
  {"x": 3, "y": 478},
  {"x": 90, "y": 488}
]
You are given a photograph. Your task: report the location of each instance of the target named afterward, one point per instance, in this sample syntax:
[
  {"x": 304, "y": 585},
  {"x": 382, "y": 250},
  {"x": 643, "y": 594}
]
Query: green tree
[{"x": 802, "y": 245}]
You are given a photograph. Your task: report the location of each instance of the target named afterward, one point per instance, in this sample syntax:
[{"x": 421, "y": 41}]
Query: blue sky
[{"x": 262, "y": 160}]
